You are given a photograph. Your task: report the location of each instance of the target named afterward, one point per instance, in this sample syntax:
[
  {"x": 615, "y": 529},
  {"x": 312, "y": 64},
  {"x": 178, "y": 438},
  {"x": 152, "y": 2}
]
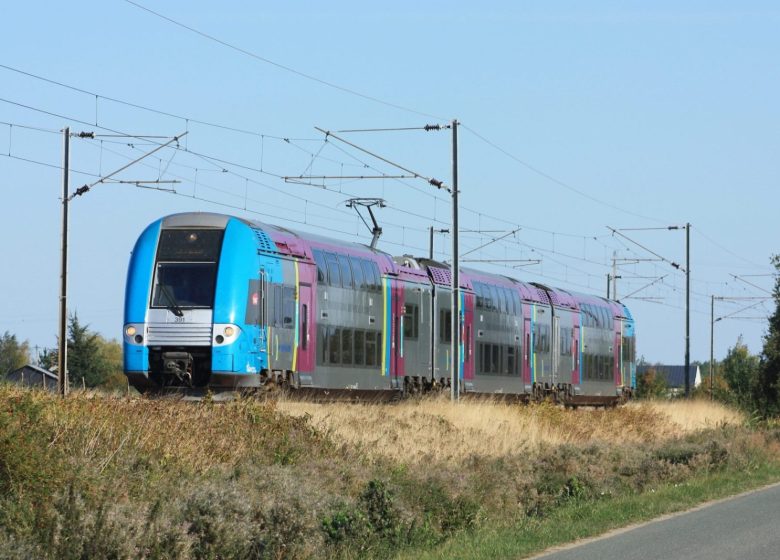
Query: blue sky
[{"x": 576, "y": 116}]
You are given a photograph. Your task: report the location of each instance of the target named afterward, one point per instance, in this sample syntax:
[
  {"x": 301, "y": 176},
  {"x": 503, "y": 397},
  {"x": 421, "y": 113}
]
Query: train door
[
  {"x": 555, "y": 345},
  {"x": 467, "y": 342},
  {"x": 415, "y": 332},
  {"x": 616, "y": 371},
  {"x": 528, "y": 372},
  {"x": 305, "y": 357},
  {"x": 575, "y": 374},
  {"x": 397, "y": 359}
]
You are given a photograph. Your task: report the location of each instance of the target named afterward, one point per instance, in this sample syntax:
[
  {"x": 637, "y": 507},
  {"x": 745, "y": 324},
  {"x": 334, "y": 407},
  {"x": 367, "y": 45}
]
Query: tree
[
  {"x": 86, "y": 360},
  {"x": 650, "y": 385},
  {"x": 111, "y": 354},
  {"x": 48, "y": 359},
  {"x": 767, "y": 390},
  {"x": 740, "y": 370},
  {"x": 13, "y": 354}
]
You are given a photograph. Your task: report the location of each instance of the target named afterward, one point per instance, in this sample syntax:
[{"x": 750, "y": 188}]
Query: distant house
[
  {"x": 674, "y": 376},
  {"x": 33, "y": 376}
]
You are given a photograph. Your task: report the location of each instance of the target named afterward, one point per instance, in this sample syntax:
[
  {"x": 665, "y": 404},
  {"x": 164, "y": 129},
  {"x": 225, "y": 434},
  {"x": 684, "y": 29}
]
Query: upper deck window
[{"x": 190, "y": 245}]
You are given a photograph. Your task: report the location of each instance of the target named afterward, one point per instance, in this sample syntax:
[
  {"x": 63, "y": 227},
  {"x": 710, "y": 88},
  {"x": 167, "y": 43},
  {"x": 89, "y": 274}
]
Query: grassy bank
[{"x": 96, "y": 476}]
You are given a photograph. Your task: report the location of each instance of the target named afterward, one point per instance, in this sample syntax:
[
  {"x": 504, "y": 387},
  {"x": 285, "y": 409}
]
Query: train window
[
  {"x": 288, "y": 308},
  {"x": 501, "y": 300},
  {"x": 322, "y": 270},
  {"x": 346, "y": 347},
  {"x": 368, "y": 274},
  {"x": 565, "y": 341},
  {"x": 591, "y": 316},
  {"x": 357, "y": 273},
  {"x": 495, "y": 360},
  {"x": 346, "y": 272},
  {"x": 479, "y": 297},
  {"x": 372, "y": 352},
  {"x": 322, "y": 343},
  {"x": 445, "y": 325},
  {"x": 411, "y": 321},
  {"x": 253, "y": 303},
  {"x": 304, "y": 342},
  {"x": 276, "y": 318},
  {"x": 467, "y": 342},
  {"x": 377, "y": 276},
  {"x": 360, "y": 348},
  {"x": 511, "y": 362},
  {"x": 190, "y": 245},
  {"x": 490, "y": 358},
  {"x": 334, "y": 346},
  {"x": 495, "y": 302},
  {"x": 334, "y": 272}
]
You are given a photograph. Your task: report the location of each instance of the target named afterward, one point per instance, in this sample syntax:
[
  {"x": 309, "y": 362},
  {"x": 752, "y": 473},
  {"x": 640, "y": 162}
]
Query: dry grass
[
  {"x": 435, "y": 429},
  {"x": 696, "y": 414},
  {"x": 197, "y": 436}
]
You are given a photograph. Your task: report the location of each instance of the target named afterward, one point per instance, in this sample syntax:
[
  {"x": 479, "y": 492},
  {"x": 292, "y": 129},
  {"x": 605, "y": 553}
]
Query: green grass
[{"x": 590, "y": 518}]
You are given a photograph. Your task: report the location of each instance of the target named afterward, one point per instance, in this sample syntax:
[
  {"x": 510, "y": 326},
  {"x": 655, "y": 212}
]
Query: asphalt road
[{"x": 746, "y": 527}]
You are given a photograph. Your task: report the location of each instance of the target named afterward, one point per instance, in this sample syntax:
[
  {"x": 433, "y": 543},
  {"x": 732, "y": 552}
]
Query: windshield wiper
[{"x": 174, "y": 306}]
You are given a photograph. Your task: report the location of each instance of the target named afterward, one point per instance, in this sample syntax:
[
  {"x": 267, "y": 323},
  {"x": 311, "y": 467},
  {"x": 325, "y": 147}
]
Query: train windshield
[{"x": 184, "y": 285}]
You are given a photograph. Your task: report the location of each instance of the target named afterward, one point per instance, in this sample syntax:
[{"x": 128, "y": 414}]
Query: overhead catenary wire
[
  {"x": 284, "y": 67},
  {"x": 526, "y": 227},
  {"x": 262, "y": 135}
]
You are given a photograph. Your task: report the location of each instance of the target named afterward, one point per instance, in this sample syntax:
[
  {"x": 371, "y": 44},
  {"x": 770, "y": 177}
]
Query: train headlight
[
  {"x": 134, "y": 333},
  {"x": 225, "y": 333}
]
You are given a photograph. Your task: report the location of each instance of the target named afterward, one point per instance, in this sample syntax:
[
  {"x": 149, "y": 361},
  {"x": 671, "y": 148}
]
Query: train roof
[{"x": 282, "y": 240}]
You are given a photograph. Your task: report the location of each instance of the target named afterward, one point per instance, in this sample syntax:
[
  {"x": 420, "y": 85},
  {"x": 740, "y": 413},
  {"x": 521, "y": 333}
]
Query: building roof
[
  {"x": 673, "y": 375},
  {"x": 33, "y": 369}
]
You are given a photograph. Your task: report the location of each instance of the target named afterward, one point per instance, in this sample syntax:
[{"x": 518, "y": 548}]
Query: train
[{"x": 219, "y": 302}]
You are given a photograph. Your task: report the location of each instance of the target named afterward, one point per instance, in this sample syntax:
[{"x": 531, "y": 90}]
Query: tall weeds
[{"x": 95, "y": 476}]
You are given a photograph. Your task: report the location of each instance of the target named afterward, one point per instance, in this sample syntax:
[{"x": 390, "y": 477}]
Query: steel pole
[
  {"x": 614, "y": 276},
  {"x": 455, "y": 322},
  {"x": 687, "y": 310},
  {"x": 712, "y": 341},
  {"x": 62, "y": 385}
]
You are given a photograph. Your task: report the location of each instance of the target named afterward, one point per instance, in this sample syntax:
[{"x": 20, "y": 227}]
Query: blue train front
[{"x": 192, "y": 304}]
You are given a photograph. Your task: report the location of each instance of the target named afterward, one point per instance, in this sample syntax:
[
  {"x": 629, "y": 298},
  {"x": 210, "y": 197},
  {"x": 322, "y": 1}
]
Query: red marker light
[{"x": 255, "y": 299}]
